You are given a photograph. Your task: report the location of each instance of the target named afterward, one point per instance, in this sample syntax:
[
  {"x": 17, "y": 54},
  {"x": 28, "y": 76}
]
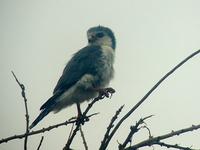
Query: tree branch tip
[
  {"x": 94, "y": 114},
  {"x": 122, "y": 106},
  {"x": 13, "y": 73},
  {"x": 141, "y": 121},
  {"x": 175, "y": 146},
  {"x": 148, "y": 117},
  {"x": 15, "y": 77}
]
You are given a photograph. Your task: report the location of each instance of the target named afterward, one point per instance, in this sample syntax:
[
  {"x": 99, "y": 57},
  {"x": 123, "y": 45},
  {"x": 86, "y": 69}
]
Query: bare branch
[
  {"x": 69, "y": 141},
  {"x": 42, "y": 138},
  {"x": 149, "y": 131},
  {"x": 20, "y": 136},
  {"x": 133, "y": 129},
  {"x": 155, "y": 140},
  {"x": 26, "y": 109},
  {"x": 176, "y": 146},
  {"x": 110, "y": 126},
  {"x": 149, "y": 93},
  {"x": 70, "y": 134},
  {"x": 84, "y": 140},
  {"x": 85, "y": 118}
]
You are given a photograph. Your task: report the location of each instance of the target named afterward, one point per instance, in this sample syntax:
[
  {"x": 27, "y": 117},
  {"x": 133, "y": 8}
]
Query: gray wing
[{"x": 80, "y": 64}]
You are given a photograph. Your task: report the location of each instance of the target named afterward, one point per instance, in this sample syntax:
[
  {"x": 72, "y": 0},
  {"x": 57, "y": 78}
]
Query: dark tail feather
[{"x": 40, "y": 117}]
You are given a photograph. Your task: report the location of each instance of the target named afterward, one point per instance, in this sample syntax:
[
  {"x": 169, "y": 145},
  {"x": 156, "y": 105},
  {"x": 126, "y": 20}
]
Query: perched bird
[{"x": 86, "y": 75}]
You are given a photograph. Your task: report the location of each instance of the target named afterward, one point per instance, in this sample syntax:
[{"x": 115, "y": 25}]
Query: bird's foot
[
  {"x": 106, "y": 92},
  {"x": 81, "y": 119}
]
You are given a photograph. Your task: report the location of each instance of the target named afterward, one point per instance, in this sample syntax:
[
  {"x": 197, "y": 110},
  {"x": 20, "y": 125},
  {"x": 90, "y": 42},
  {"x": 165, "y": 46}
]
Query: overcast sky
[{"x": 37, "y": 38}]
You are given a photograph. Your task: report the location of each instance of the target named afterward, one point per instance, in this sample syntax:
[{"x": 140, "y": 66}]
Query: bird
[{"x": 86, "y": 75}]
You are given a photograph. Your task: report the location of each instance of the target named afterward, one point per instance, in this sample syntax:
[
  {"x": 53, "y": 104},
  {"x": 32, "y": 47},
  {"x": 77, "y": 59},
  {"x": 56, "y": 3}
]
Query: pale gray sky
[{"x": 37, "y": 38}]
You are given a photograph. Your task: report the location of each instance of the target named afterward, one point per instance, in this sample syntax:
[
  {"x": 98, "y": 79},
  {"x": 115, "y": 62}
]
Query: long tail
[
  {"x": 40, "y": 117},
  {"x": 46, "y": 108}
]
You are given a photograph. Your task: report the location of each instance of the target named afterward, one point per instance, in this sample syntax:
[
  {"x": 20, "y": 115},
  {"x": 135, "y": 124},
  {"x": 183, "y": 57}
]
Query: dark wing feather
[
  {"x": 81, "y": 63},
  {"x": 51, "y": 101}
]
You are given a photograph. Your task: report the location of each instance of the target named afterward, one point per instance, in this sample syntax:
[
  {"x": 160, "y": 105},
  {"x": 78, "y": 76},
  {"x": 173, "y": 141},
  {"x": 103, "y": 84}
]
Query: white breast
[{"x": 107, "y": 68}]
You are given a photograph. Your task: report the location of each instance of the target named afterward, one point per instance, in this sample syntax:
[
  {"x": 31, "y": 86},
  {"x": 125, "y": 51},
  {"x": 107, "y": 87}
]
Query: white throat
[{"x": 105, "y": 41}]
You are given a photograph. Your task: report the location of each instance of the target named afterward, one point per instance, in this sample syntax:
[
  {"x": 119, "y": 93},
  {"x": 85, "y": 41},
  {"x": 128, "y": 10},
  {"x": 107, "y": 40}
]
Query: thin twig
[
  {"x": 69, "y": 141},
  {"x": 176, "y": 146},
  {"x": 154, "y": 140},
  {"x": 84, "y": 140},
  {"x": 70, "y": 134},
  {"x": 20, "y": 136},
  {"x": 41, "y": 140},
  {"x": 110, "y": 126},
  {"x": 133, "y": 129},
  {"x": 149, "y": 93},
  {"x": 149, "y": 131},
  {"x": 26, "y": 109}
]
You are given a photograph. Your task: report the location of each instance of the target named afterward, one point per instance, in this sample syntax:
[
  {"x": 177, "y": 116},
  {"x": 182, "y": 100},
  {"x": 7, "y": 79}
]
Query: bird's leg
[
  {"x": 105, "y": 92},
  {"x": 80, "y": 118},
  {"x": 79, "y": 109}
]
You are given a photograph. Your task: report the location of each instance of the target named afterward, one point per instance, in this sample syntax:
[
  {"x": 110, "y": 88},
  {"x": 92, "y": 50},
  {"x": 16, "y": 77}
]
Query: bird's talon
[
  {"x": 107, "y": 92},
  {"x": 81, "y": 119},
  {"x": 87, "y": 119},
  {"x": 111, "y": 94},
  {"x": 110, "y": 90}
]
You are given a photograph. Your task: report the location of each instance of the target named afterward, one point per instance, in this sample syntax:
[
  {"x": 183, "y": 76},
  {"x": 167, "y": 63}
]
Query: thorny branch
[
  {"x": 133, "y": 129},
  {"x": 176, "y": 146},
  {"x": 154, "y": 140},
  {"x": 20, "y": 136},
  {"x": 110, "y": 126},
  {"x": 26, "y": 110},
  {"x": 149, "y": 93}
]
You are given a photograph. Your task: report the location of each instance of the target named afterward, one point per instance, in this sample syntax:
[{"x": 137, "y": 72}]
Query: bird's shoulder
[
  {"x": 87, "y": 51},
  {"x": 81, "y": 63}
]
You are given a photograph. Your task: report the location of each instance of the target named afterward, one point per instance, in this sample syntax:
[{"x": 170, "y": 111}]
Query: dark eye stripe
[{"x": 100, "y": 34}]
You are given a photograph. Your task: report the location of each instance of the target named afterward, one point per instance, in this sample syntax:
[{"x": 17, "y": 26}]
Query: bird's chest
[{"x": 105, "y": 69}]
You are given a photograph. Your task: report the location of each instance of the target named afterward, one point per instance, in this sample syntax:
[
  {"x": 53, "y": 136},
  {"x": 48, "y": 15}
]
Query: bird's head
[{"x": 101, "y": 36}]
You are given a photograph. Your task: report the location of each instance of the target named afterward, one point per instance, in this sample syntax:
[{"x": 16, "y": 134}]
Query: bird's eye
[{"x": 100, "y": 34}]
